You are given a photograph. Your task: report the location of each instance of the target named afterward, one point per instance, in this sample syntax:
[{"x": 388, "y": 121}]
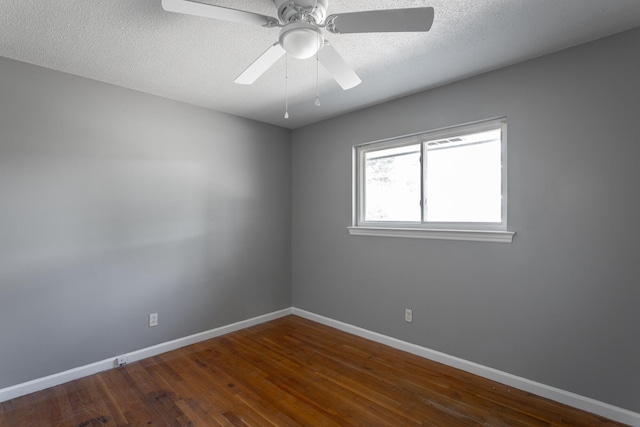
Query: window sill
[{"x": 468, "y": 235}]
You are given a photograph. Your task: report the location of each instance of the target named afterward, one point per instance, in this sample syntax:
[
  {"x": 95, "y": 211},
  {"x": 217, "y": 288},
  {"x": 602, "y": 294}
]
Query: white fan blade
[
  {"x": 337, "y": 67},
  {"x": 217, "y": 12},
  {"x": 382, "y": 21},
  {"x": 260, "y": 65}
]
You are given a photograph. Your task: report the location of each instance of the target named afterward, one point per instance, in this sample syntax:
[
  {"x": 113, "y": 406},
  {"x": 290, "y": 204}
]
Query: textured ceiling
[{"x": 137, "y": 45}]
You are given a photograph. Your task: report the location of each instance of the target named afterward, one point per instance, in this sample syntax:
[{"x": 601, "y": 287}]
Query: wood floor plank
[
  {"x": 160, "y": 403},
  {"x": 342, "y": 376},
  {"x": 302, "y": 374},
  {"x": 214, "y": 390},
  {"x": 288, "y": 372},
  {"x": 400, "y": 382},
  {"x": 130, "y": 402},
  {"x": 254, "y": 380}
]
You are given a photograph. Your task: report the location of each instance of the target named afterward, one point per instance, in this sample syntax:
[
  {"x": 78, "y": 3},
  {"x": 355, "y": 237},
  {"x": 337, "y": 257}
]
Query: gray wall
[
  {"x": 560, "y": 304},
  {"x": 114, "y": 205}
]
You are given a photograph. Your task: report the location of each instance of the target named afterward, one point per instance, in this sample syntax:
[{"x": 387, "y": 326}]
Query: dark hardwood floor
[{"x": 288, "y": 372}]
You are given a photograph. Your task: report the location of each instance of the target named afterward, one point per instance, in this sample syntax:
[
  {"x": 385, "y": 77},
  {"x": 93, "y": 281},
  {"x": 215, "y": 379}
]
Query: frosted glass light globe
[{"x": 301, "y": 40}]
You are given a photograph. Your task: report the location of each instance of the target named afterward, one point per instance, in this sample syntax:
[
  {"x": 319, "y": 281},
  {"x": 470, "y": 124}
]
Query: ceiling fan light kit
[
  {"x": 301, "y": 39},
  {"x": 302, "y": 22}
]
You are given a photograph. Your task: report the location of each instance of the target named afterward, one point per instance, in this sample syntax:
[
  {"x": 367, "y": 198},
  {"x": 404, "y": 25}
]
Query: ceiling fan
[{"x": 301, "y": 23}]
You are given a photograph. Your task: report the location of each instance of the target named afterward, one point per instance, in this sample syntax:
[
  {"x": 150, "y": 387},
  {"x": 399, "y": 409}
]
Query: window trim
[
  {"x": 437, "y": 234},
  {"x": 476, "y": 231}
]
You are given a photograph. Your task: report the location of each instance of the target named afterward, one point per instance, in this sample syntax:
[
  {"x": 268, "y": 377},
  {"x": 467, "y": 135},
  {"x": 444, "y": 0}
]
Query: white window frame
[{"x": 473, "y": 231}]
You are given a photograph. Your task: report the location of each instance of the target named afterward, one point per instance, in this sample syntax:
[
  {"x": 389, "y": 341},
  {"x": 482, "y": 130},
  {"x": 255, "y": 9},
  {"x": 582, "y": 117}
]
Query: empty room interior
[{"x": 263, "y": 197}]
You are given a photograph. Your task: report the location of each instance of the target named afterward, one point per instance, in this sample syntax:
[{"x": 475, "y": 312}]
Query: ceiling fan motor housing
[{"x": 312, "y": 11}]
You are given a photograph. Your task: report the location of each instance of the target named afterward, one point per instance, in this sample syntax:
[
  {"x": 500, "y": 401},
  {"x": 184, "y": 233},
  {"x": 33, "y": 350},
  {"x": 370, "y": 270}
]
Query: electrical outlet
[
  {"x": 122, "y": 360},
  {"x": 153, "y": 319},
  {"x": 408, "y": 315}
]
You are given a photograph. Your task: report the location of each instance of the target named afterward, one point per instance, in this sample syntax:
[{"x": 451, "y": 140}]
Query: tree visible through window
[{"x": 393, "y": 184}]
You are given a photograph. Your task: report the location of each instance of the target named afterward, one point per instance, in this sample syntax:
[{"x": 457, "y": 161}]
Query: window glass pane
[
  {"x": 464, "y": 178},
  {"x": 392, "y": 184}
]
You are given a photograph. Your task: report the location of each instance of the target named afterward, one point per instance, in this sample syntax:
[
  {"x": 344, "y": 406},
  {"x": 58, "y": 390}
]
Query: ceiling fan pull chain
[
  {"x": 317, "y": 74},
  {"x": 286, "y": 86}
]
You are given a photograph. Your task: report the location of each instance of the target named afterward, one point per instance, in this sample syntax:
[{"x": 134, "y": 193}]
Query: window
[{"x": 447, "y": 184}]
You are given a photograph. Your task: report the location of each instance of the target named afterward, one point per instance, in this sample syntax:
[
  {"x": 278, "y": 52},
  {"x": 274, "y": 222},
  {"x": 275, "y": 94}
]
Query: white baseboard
[
  {"x": 565, "y": 397},
  {"x": 103, "y": 365}
]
